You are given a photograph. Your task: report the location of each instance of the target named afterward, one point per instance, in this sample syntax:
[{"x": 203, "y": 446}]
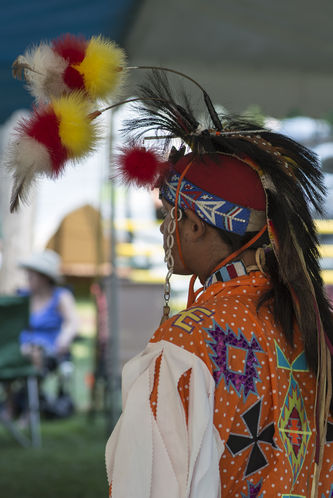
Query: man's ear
[{"x": 196, "y": 227}]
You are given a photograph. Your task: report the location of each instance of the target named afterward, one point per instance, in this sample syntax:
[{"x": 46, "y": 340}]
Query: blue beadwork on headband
[{"x": 217, "y": 212}]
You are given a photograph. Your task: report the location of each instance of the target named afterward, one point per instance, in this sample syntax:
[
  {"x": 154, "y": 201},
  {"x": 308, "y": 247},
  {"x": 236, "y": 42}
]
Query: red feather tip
[
  {"x": 43, "y": 126},
  {"x": 71, "y": 48},
  {"x": 140, "y": 167}
]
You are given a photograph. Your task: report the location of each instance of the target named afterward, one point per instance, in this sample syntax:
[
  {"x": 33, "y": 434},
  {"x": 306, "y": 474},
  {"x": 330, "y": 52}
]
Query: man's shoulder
[{"x": 221, "y": 315}]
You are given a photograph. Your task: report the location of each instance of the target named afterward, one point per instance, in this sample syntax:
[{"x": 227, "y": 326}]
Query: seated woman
[{"x": 53, "y": 317}]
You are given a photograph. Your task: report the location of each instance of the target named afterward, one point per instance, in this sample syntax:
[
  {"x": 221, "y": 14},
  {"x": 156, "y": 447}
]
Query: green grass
[{"x": 70, "y": 463}]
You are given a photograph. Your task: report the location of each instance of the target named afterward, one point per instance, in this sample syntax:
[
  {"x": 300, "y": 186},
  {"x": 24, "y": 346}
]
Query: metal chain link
[{"x": 169, "y": 259}]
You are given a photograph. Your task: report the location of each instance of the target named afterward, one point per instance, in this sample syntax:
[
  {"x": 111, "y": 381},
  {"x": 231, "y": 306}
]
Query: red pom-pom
[
  {"x": 71, "y": 48},
  {"x": 140, "y": 167},
  {"x": 73, "y": 79},
  {"x": 43, "y": 126}
]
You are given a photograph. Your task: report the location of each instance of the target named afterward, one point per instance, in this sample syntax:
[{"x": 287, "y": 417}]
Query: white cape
[{"x": 165, "y": 457}]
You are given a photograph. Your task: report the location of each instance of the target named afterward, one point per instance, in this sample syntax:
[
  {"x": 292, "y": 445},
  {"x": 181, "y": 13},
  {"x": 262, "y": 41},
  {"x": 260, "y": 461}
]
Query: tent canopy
[{"x": 277, "y": 55}]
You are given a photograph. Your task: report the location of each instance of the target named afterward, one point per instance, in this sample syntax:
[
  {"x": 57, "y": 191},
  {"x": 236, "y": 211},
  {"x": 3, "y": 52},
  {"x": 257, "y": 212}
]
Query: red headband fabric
[{"x": 226, "y": 177}]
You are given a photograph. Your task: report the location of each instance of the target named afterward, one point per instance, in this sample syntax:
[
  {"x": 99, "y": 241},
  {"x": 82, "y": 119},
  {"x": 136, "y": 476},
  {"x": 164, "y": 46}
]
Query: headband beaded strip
[{"x": 218, "y": 212}]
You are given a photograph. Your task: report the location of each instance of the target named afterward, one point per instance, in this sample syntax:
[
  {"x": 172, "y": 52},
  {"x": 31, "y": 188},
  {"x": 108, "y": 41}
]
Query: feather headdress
[
  {"x": 72, "y": 63},
  {"x": 54, "y": 133},
  {"x": 65, "y": 77}
]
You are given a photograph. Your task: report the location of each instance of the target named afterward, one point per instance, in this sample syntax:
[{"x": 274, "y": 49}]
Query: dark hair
[{"x": 280, "y": 301}]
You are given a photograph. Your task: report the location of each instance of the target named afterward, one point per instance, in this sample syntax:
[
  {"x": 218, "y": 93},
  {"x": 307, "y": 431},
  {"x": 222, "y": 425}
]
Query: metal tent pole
[{"x": 113, "y": 367}]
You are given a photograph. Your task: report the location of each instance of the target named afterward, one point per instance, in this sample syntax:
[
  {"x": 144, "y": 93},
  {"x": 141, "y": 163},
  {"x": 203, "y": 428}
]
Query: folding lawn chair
[{"x": 14, "y": 317}]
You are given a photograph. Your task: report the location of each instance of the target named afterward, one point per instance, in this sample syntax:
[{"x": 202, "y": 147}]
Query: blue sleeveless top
[{"x": 45, "y": 324}]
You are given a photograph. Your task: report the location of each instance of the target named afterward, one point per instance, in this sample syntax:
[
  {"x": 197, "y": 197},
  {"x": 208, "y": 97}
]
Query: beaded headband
[{"x": 218, "y": 212}]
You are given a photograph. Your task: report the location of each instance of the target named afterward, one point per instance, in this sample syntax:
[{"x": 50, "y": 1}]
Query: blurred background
[{"x": 268, "y": 59}]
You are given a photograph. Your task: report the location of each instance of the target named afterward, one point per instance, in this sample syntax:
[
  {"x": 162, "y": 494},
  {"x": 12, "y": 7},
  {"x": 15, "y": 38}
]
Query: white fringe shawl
[{"x": 165, "y": 457}]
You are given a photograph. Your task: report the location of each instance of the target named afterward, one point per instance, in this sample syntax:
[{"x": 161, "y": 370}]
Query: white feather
[
  {"x": 26, "y": 160},
  {"x": 27, "y": 156},
  {"x": 46, "y": 79}
]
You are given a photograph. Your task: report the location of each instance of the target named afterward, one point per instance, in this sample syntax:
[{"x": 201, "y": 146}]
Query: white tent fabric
[{"x": 275, "y": 54}]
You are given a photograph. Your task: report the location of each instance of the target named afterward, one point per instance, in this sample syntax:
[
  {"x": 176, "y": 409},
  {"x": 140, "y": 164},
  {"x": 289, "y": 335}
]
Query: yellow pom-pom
[
  {"x": 77, "y": 132},
  {"x": 102, "y": 67}
]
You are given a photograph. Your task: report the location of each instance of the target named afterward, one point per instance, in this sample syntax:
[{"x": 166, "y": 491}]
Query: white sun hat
[{"x": 46, "y": 262}]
